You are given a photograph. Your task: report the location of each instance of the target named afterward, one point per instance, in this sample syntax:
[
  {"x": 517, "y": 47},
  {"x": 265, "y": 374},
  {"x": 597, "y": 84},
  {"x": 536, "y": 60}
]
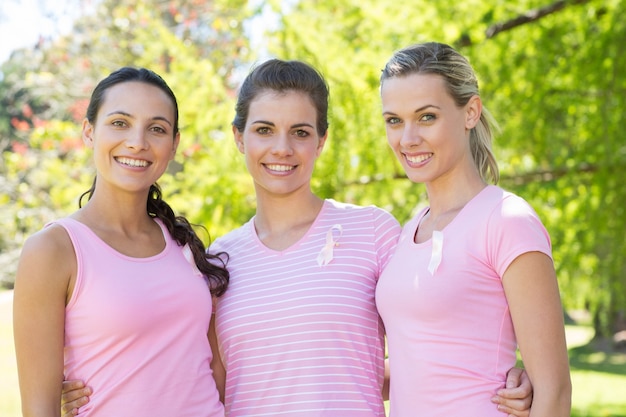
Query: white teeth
[
  {"x": 133, "y": 162},
  {"x": 280, "y": 168},
  {"x": 418, "y": 158}
]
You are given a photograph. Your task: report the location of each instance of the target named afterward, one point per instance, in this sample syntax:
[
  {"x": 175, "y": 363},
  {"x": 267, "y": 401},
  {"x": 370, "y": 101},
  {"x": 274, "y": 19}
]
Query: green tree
[
  {"x": 196, "y": 45},
  {"x": 551, "y": 72}
]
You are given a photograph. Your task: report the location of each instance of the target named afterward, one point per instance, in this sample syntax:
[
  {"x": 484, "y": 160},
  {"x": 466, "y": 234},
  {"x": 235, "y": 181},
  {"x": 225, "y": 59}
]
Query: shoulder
[
  {"x": 51, "y": 241},
  {"x": 349, "y": 210},
  {"x": 370, "y": 223},
  {"x": 46, "y": 255},
  {"x": 514, "y": 228},
  {"x": 495, "y": 203},
  {"x": 231, "y": 238},
  {"x": 514, "y": 219},
  {"x": 512, "y": 206}
]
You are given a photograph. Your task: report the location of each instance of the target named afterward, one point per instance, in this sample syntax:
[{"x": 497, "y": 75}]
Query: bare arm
[
  {"x": 386, "y": 382},
  {"x": 219, "y": 372},
  {"x": 532, "y": 292},
  {"x": 41, "y": 288}
]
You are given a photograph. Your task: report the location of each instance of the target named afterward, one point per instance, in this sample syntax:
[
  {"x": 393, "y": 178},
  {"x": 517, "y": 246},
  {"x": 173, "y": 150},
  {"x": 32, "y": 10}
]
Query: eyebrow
[
  {"x": 417, "y": 110},
  {"x": 123, "y": 113},
  {"x": 265, "y": 122}
]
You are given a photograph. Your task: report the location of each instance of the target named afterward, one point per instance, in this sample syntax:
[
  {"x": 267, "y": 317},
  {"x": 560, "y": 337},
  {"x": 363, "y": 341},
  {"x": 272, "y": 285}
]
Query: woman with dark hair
[
  {"x": 298, "y": 329},
  {"x": 118, "y": 293}
]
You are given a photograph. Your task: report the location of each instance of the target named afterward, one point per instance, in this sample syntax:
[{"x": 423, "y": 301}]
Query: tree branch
[
  {"x": 547, "y": 175},
  {"x": 516, "y": 179},
  {"x": 529, "y": 16}
]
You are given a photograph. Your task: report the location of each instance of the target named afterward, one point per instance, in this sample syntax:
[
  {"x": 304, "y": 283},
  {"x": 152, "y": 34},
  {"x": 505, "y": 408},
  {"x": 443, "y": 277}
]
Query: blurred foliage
[{"x": 552, "y": 72}]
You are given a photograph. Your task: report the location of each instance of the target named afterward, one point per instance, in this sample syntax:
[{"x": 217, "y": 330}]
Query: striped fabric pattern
[{"x": 302, "y": 339}]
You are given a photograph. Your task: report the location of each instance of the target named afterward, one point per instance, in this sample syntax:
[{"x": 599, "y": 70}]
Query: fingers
[
  {"x": 72, "y": 385},
  {"x": 518, "y": 387},
  {"x": 513, "y": 378},
  {"x": 73, "y": 412},
  {"x": 512, "y": 408},
  {"x": 74, "y": 396},
  {"x": 520, "y": 393},
  {"x": 73, "y": 390},
  {"x": 70, "y": 408},
  {"x": 517, "y": 396},
  {"x": 518, "y": 399}
]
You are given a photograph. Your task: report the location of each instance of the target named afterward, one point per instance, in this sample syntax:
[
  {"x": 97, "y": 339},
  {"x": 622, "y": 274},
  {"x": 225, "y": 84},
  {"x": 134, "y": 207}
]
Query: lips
[
  {"x": 137, "y": 163},
  {"x": 280, "y": 167},
  {"x": 418, "y": 159}
]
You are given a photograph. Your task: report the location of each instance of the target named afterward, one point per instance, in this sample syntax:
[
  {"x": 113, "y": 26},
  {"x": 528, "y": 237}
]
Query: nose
[
  {"x": 282, "y": 145},
  {"x": 410, "y": 136},
  {"x": 136, "y": 139}
]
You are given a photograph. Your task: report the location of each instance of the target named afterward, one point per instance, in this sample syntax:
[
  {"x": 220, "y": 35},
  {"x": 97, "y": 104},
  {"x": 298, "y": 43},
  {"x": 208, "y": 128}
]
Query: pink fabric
[
  {"x": 449, "y": 334},
  {"x": 136, "y": 331},
  {"x": 300, "y": 339}
]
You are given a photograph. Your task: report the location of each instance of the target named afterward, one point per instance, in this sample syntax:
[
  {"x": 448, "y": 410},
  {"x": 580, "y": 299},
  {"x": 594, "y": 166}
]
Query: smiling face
[
  {"x": 133, "y": 136},
  {"x": 280, "y": 142},
  {"x": 427, "y": 131}
]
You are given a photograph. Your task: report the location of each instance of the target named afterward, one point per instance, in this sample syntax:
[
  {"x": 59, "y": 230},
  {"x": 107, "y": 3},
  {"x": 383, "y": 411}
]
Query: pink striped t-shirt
[{"x": 300, "y": 336}]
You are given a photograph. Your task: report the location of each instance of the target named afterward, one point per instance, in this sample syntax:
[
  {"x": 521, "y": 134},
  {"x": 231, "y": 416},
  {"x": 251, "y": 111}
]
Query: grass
[
  {"x": 598, "y": 381},
  {"x": 598, "y": 375},
  {"x": 9, "y": 392}
]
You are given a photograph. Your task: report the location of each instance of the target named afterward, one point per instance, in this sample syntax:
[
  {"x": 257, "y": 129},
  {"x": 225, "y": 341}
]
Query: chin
[{"x": 413, "y": 177}]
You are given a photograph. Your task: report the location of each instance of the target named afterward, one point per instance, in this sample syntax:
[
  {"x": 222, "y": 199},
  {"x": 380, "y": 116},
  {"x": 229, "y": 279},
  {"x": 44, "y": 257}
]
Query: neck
[
  {"x": 452, "y": 194},
  {"x": 121, "y": 212},
  {"x": 283, "y": 212},
  {"x": 280, "y": 221}
]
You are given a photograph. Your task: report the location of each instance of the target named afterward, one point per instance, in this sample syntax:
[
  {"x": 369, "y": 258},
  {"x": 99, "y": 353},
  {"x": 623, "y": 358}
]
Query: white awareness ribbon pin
[
  {"x": 189, "y": 256},
  {"x": 435, "y": 257},
  {"x": 326, "y": 254}
]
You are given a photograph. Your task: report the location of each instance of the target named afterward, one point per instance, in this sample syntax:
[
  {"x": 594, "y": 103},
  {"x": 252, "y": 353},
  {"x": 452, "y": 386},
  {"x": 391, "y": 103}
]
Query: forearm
[
  {"x": 385, "y": 391},
  {"x": 40, "y": 384},
  {"x": 41, "y": 408},
  {"x": 217, "y": 366},
  {"x": 40, "y": 373},
  {"x": 532, "y": 292},
  {"x": 554, "y": 402}
]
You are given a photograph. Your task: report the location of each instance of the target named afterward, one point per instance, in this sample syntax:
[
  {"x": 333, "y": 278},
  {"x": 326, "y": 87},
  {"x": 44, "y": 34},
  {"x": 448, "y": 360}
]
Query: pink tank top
[{"x": 136, "y": 331}]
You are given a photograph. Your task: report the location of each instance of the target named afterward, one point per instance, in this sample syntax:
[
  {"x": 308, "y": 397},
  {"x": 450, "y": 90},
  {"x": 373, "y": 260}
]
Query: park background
[{"x": 552, "y": 72}]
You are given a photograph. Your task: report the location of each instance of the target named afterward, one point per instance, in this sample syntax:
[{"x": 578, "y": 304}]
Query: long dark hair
[{"x": 213, "y": 267}]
